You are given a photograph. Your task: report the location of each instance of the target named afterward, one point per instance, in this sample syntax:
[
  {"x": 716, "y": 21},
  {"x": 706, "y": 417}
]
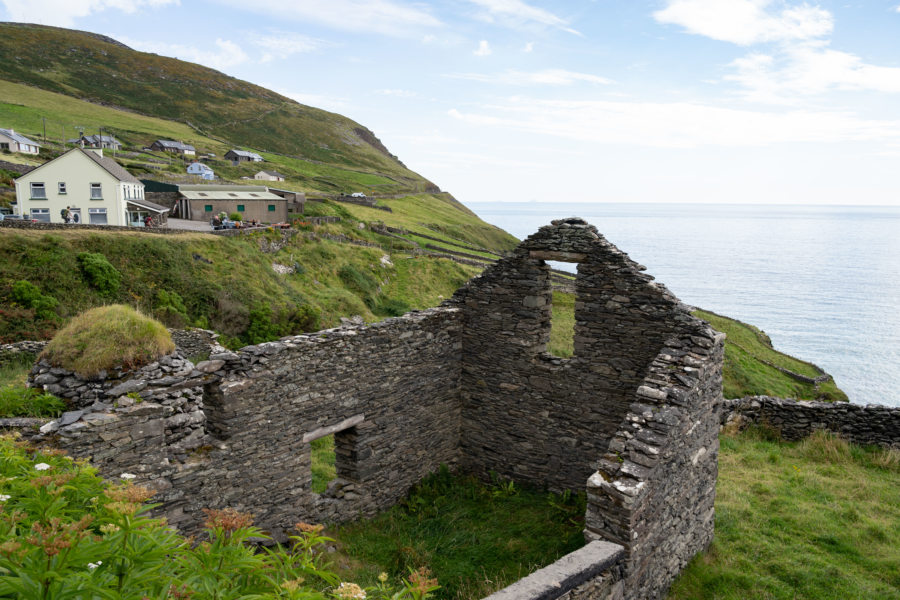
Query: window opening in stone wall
[
  {"x": 323, "y": 462},
  {"x": 562, "y": 325},
  {"x": 562, "y": 315},
  {"x": 333, "y": 453}
]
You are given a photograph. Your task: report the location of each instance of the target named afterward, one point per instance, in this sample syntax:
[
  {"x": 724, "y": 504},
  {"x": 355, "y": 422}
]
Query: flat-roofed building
[{"x": 253, "y": 202}]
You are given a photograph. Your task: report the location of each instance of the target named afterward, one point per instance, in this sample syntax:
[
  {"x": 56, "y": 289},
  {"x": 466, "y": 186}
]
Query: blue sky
[{"x": 760, "y": 101}]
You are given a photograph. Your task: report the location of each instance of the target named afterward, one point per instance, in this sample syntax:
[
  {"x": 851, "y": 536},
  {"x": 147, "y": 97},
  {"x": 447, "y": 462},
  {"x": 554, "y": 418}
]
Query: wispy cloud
[
  {"x": 799, "y": 63},
  {"x": 279, "y": 45},
  {"x": 384, "y": 17},
  {"x": 515, "y": 13},
  {"x": 529, "y": 47},
  {"x": 483, "y": 49},
  {"x": 226, "y": 53},
  {"x": 804, "y": 70},
  {"x": 557, "y": 77},
  {"x": 332, "y": 103},
  {"x": 64, "y": 12},
  {"x": 676, "y": 125},
  {"x": 747, "y": 22}
]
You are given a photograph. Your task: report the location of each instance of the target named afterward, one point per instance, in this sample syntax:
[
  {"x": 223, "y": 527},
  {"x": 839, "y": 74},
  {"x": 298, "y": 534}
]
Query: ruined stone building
[{"x": 630, "y": 417}]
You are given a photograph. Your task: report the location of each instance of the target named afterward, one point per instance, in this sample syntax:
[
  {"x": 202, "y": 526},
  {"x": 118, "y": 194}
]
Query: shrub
[
  {"x": 393, "y": 307},
  {"x": 20, "y": 401},
  {"x": 29, "y": 295},
  {"x": 99, "y": 273},
  {"x": 107, "y": 337},
  {"x": 236, "y": 216},
  {"x": 170, "y": 309},
  {"x": 65, "y": 533}
]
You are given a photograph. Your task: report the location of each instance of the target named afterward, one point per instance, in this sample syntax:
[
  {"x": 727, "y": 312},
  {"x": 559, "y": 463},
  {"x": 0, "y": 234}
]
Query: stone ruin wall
[
  {"x": 235, "y": 430},
  {"x": 467, "y": 384},
  {"x": 870, "y": 424},
  {"x": 633, "y": 412}
]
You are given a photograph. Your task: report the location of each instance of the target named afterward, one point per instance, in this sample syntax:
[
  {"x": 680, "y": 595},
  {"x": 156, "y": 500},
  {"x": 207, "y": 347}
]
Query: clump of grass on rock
[{"x": 106, "y": 338}]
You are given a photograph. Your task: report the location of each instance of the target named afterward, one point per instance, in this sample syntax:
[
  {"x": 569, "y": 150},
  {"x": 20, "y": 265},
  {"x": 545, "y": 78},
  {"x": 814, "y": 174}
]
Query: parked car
[
  {"x": 357, "y": 195},
  {"x": 19, "y": 218},
  {"x": 223, "y": 224}
]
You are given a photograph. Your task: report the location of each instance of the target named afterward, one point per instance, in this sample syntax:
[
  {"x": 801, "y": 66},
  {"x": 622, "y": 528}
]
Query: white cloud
[
  {"x": 804, "y": 70},
  {"x": 385, "y": 17},
  {"x": 515, "y": 13},
  {"x": 746, "y": 22},
  {"x": 483, "y": 49},
  {"x": 544, "y": 77},
  {"x": 226, "y": 54},
  {"x": 529, "y": 47},
  {"x": 63, "y": 13},
  {"x": 677, "y": 125},
  {"x": 279, "y": 45}
]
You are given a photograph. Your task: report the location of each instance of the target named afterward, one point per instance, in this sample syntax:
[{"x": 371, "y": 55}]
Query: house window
[
  {"x": 62, "y": 187},
  {"x": 41, "y": 214},
  {"x": 38, "y": 191},
  {"x": 97, "y": 216},
  {"x": 96, "y": 191},
  {"x": 240, "y": 208},
  {"x": 271, "y": 208},
  {"x": 208, "y": 208},
  {"x": 4, "y": 146}
]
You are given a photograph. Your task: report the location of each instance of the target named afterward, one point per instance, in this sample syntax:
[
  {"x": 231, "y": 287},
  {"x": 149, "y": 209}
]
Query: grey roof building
[
  {"x": 173, "y": 146},
  {"x": 16, "y": 142},
  {"x": 243, "y": 156}
]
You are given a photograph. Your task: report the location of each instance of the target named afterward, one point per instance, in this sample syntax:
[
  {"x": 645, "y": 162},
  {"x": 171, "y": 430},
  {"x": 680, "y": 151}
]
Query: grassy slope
[
  {"x": 208, "y": 105},
  {"x": 23, "y": 108},
  {"x": 746, "y": 375},
  {"x": 219, "y": 279},
  {"x": 816, "y": 520}
]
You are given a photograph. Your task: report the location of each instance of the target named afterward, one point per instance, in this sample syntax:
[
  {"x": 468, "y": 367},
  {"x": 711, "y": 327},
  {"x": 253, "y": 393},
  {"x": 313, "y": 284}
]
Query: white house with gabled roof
[
  {"x": 95, "y": 190},
  {"x": 16, "y": 142}
]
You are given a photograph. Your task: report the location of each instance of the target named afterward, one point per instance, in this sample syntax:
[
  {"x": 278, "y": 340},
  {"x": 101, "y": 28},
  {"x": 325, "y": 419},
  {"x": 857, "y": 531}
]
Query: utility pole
[{"x": 44, "y": 121}]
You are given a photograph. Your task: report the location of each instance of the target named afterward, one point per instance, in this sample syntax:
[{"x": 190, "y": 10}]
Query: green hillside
[{"x": 210, "y": 109}]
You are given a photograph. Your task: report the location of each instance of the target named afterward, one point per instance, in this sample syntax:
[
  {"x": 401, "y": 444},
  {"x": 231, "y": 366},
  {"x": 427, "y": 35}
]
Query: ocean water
[{"x": 822, "y": 281}]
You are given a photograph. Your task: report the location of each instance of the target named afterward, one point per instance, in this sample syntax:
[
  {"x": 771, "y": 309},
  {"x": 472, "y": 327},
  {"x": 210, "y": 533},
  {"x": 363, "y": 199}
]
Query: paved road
[{"x": 189, "y": 225}]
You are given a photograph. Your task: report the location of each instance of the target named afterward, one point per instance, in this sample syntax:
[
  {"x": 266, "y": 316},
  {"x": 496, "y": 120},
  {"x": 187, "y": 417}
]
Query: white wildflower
[
  {"x": 41, "y": 467},
  {"x": 350, "y": 591},
  {"x": 127, "y": 476},
  {"x": 4, "y": 497},
  {"x": 93, "y": 566}
]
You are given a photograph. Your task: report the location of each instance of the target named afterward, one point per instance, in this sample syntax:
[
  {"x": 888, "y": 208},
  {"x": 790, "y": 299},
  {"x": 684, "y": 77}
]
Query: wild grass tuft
[{"x": 108, "y": 337}]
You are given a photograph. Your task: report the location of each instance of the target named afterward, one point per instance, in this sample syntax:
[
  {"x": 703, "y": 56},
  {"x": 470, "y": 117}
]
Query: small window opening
[
  {"x": 562, "y": 324},
  {"x": 323, "y": 463}
]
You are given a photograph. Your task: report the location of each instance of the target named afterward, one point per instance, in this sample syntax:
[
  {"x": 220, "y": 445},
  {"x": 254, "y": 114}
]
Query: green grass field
[{"x": 813, "y": 520}]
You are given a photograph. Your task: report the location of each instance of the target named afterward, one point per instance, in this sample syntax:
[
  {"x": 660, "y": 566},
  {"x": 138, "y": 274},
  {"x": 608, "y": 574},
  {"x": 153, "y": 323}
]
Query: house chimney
[{"x": 97, "y": 151}]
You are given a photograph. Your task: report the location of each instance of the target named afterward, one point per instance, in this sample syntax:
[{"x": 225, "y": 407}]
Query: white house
[
  {"x": 269, "y": 176},
  {"x": 16, "y": 142},
  {"x": 203, "y": 171},
  {"x": 95, "y": 189},
  {"x": 96, "y": 141}
]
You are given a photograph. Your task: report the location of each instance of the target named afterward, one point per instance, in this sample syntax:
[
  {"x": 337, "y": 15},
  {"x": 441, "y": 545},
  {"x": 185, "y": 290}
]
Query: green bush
[
  {"x": 29, "y": 295},
  {"x": 20, "y": 401},
  {"x": 99, "y": 273},
  {"x": 170, "y": 309},
  {"x": 393, "y": 307},
  {"x": 236, "y": 216}
]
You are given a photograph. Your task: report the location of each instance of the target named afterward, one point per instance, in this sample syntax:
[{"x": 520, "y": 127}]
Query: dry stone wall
[{"x": 795, "y": 420}]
